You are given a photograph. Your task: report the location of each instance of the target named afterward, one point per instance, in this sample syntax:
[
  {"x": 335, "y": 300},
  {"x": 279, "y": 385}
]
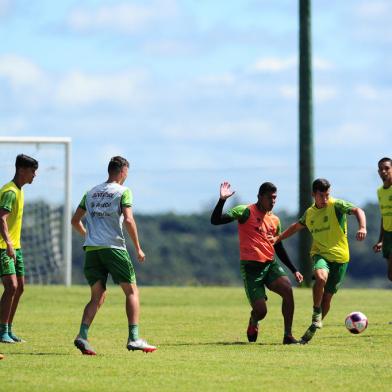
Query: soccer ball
[{"x": 356, "y": 322}]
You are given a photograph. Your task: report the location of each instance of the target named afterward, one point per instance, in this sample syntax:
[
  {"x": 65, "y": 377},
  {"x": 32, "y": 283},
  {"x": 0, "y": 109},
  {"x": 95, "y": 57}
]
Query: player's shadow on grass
[{"x": 48, "y": 354}]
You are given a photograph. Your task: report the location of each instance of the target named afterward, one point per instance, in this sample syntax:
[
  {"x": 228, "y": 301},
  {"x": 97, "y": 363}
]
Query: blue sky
[{"x": 194, "y": 92}]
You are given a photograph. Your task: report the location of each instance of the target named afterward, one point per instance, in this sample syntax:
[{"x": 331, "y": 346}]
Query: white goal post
[{"x": 65, "y": 227}]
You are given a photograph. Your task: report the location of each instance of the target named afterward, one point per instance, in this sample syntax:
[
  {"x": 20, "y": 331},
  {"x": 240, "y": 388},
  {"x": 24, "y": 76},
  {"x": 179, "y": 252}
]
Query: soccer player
[
  {"x": 384, "y": 194},
  {"x": 12, "y": 269},
  {"x": 326, "y": 220},
  {"x": 106, "y": 207},
  {"x": 257, "y": 225}
]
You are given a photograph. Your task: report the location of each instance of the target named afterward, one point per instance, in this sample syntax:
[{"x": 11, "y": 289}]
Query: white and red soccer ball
[{"x": 356, "y": 322}]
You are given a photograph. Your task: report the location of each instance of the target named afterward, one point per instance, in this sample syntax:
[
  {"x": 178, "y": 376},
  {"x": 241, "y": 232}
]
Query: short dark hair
[
  {"x": 321, "y": 185},
  {"x": 383, "y": 160},
  {"x": 25, "y": 161},
  {"x": 116, "y": 164},
  {"x": 267, "y": 187}
]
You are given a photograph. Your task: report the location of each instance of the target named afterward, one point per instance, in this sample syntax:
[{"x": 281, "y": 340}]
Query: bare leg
[
  {"x": 282, "y": 286},
  {"x": 10, "y": 287},
  {"x": 132, "y": 305},
  {"x": 18, "y": 294},
  {"x": 259, "y": 310},
  {"x": 326, "y": 303},
  {"x": 318, "y": 287},
  {"x": 98, "y": 294}
]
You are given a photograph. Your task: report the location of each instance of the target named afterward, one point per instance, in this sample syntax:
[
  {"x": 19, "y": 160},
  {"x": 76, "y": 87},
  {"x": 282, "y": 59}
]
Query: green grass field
[{"x": 202, "y": 344}]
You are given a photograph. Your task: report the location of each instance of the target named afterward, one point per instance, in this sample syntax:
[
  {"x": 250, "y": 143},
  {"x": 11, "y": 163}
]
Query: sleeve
[
  {"x": 82, "y": 204},
  {"x": 7, "y": 200},
  {"x": 302, "y": 220},
  {"x": 278, "y": 228},
  {"x": 344, "y": 207},
  {"x": 238, "y": 212},
  {"x": 127, "y": 198}
]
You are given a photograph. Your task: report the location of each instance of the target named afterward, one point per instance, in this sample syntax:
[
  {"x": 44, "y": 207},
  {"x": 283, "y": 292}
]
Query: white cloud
[
  {"x": 14, "y": 126},
  {"x": 274, "y": 64},
  {"x": 374, "y": 9},
  {"x": 5, "y": 6},
  {"x": 20, "y": 71},
  {"x": 320, "y": 93},
  {"x": 347, "y": 134},
  {"x": 322, "y": 64},
  {"x": 367, "y": 92},
  {"x": 224, "y": 79},
  {"x": 288, "y": 91},
  {"x": 279, "y": 64},
  {"x": 250, "y": 129},
  {"x": 122, "y": 17},
  {"x": 325, "y": 93},
  {"x": 78, "y": 88}
]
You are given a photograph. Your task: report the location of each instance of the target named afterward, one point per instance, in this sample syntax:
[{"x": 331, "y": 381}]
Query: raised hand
[
  {"x": 377, "y": 248},
  {"x": 225, "y": 191}
]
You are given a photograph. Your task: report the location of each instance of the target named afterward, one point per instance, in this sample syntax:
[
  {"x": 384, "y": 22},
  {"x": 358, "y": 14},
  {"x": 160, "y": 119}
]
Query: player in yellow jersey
[
  {"x": 326, "y": 220},
  {"x": 11, "y": 258},
  {"x": 384, "y": 194}
]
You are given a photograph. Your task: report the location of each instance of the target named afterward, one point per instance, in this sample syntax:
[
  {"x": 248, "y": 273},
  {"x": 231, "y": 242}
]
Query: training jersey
[
  {"x": 104, "y": 217},
  {"x": 12, "y": 200},
  {"x": 253, "y": 227},
  {"x": 328, "y": 227},
  {"x": 385, "y": 203}
]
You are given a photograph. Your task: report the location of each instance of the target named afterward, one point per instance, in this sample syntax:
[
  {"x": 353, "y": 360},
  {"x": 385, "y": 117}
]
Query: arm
[
  {"x": 361, "y": 218},
  {"x": 130, "y": 225},
  {"x": 291, "y": 230},
  {"x": 283, "y": 256},
  {"x": 377, "y": 247},
  {"x": 4, "y": 233},
  {"x": 77, "y": 223},
  {"x": 217, "y": 217}
]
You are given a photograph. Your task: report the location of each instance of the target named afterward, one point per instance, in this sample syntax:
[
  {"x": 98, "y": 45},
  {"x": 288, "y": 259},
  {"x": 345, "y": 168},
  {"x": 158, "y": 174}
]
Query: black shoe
[
  {"x": 308, "y": 335},
  {"x": 290, "y": 339}
]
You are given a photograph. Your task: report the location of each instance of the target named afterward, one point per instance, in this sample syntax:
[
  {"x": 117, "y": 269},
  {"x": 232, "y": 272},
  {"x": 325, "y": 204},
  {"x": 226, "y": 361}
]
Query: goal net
[{"x": 46, "y": 231}]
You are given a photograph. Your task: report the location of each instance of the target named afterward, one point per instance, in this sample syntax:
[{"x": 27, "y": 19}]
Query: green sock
[
  {"x": 317, "y": 309},
  {"x": 83, "y": 331},
  {"x": 133, "y": 332}
]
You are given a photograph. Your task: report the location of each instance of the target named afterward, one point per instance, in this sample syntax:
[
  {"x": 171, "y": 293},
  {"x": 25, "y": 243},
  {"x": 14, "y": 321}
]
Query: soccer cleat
[
  {"x": 5, "y": 338},
  {"x": 308, "y": 335},
  {"x": 317, "y": 320},
  {"x": 290, "y": 339},
  {"x": 140, "y": 345},
  {"x": 252, "y": 331},
  {"x": 15, "y": 338},
  {"x": 1, "y": 356},
  {"x": 84, "y": 346}
]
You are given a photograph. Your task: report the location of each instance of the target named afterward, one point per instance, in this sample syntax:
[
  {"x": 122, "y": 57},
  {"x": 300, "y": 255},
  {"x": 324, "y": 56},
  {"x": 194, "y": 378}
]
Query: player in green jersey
[
  {"x": 326, "y": 220},
  {"x": 11, "y": 258},
  {"x": 384, "y": 194}
]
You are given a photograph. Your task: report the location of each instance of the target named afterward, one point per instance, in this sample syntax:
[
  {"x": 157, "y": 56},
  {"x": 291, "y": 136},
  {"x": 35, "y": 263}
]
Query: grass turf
[{"x": 202, "y": 343}]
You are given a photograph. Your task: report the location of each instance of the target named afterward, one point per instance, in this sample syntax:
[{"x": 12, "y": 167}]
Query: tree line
[{"x": 188, "y": 250}]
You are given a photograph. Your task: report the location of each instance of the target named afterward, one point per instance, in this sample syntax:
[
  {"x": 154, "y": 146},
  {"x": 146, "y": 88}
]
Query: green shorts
[
  {"x": 336, "y": 272},
  {"x": 257, "y": 275},
  {"x": 116, "y": 262},
  {"x": 387, "y": 244},
  {"x": 7, "y": 265}
]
